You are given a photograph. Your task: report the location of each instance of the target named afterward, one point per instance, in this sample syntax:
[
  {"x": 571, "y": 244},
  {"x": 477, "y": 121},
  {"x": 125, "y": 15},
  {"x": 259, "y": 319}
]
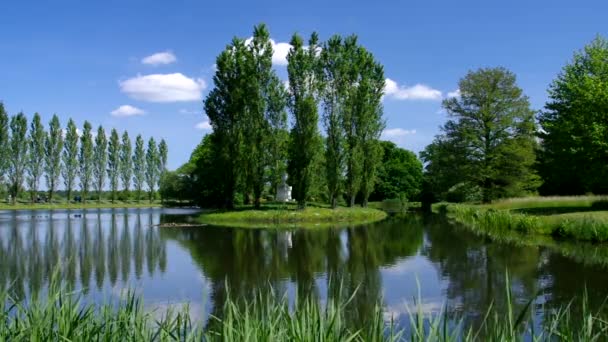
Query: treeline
[
  {"x": 338, "y": 83},
  {"x": 85, "y": 161},
  {"x": 493, "y": 146}
]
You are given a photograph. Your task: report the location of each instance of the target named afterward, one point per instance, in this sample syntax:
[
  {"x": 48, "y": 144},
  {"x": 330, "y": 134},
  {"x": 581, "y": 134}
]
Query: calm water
[{"x": 105, "y": 252}]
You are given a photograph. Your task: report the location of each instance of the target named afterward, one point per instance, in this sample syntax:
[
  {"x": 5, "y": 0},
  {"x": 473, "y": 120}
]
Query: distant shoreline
[{"x": 88, "y": 205}]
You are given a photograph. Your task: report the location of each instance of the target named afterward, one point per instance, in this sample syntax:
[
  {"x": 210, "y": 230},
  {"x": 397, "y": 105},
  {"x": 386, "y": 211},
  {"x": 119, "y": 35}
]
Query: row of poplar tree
[
  {"x": 248, "y": 106},
  {"x": 88, "y": 157}
]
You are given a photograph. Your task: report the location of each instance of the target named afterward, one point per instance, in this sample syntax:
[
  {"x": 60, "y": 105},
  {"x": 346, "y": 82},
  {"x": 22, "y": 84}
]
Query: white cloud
[
  {"x": 203, "y": 126},
  {"x": 455, "y": 93},
  {"x": 416, "y": 92},
  {"x": 188, "y": 111},
  {"x": 279, "y": 51},
  {"x": 163, "y": 88},
  {"x": 126, "y": 110},
  {"x": 397, "y": 135},
  {"x": 159, "y": 58}
]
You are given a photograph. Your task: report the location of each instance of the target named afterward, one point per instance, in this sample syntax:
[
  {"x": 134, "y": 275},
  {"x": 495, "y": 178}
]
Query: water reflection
[
  {"x": 85, "y": 250},
  {"x": 103, "y": 252}
]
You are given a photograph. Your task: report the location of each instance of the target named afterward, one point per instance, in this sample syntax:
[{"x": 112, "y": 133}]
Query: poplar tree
[
  {"x": 278, "y": 135},
  {"x": 52, "y": 155},
  {"x": 139, "y": 166},
  {"x": 302, "y": 69},
  {"x": 126, "y": 162},
  {"x": 70, "y": 158},
  {"x": 114, "y": 162},
  {"x": 163, "y": 152},
  {"x": 18, "y": 154},
  {"x": 35, "y": 160},
  {"x": 3, "y": 141},
  {"x": 152, "y": 169},
  {"x": 100, "y": 157},
  {"x": 86, "y": 160},
  {"x": 225, "y": 105}
]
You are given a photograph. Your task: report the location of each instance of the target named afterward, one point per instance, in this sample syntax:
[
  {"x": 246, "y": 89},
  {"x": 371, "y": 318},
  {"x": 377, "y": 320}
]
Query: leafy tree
[
  {"x": 202, "y": 177},
  {"x": 70, "y": 157},
  {"x": 400, "y": 174},
  {"x": 139, "y": 166},
  {"x": 302, "y": 68},
  {"x": 152, "y": 170},
  {"x": 126, "y": 162},
  {"x": 18, "y": 154},
  {"x": 35, "y": 160},
  {"x": 334, "y": 83},
  {"x": 114, "y": 162},
  {"x": 225, "y": 106},
  {"x": 278, "y": 135},
  {"x": 52, "y": 155},
  {"x": 491, "y": 132},
  {"x": 367, "y": 118},
  {"x": 163, "y": 152},
  {"x": 574, "y": 125},
  {"x": 86, "y": 160},
  {"x": 4, "y": 143},
  {"x": 101, "y": 159}
]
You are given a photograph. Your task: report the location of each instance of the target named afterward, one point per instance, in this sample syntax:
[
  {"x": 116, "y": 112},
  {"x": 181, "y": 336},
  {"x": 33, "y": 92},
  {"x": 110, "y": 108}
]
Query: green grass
[
  {"x": 88, "y": 205},
  {"x": 61, "y": 316},
  {"x": 289, "y": 217},
  {"x": 579, "y": 218}
]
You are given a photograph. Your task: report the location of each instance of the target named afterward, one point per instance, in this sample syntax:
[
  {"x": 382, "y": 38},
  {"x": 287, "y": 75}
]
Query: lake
[{"x": 103, "y": 253}]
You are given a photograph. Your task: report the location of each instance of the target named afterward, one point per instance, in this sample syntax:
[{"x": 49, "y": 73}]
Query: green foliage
[
  {"x": 114, "y": 162},
  {"x": 35, "y": 160},
  {"x": 575, "y": 125},
  {"x": 304, "y": 142},
  {"x": 4, "y": 121},
  {"x": 52, "y": 155},
  {"x": 489, "y": 140},
  {"x": 126, "y": 160},
  {"x": 86, "y": 161},
  {"x": 70, "y": 157},
  {"x": 400, "y": 173},
  {"x": 17, "y": 154},
  {"x": 152, "y": 167},
  {"x": 100, "y": 157},
  {"x": 139, "y": 166}
]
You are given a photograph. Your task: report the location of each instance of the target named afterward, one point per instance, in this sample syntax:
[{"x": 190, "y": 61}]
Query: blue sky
[{"x": 86, "y": 59}]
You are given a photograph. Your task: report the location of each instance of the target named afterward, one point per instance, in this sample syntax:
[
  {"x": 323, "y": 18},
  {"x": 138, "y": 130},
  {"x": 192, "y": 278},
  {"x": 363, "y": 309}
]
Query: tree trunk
[
  {"x": 352, "y": 201},
  {"x": 364, "y": 202},
  {"x": 334, "y": 202}
]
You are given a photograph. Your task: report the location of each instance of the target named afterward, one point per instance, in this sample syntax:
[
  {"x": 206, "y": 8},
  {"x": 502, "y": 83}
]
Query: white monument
[{"x": 283, "y": 190}]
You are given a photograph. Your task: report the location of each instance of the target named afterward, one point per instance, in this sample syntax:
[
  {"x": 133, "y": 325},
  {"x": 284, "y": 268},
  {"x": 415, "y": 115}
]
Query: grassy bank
[
  {"x": 580, "y": 218},
  {"x": 62, "y": 317},
  {"x": 88, "y": 205},
  {"x": 288, "y": 216}
]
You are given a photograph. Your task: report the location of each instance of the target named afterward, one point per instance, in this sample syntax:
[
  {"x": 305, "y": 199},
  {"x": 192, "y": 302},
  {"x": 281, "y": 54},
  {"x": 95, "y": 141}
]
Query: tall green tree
[
  {"x": 86, "y": 160},
  {"x": 35, "y": 160},
  {"x": 139, "y": 166},
  {"x": 335, "y": 70},
  {"x": 400, "y": 174},
  {"x": 4, "y": 136},
  {"x": 101, "y": 160},
  {"x": 491, "y": 131},
  {"x": 70, "y": 158},
  {"x": 126, "y": 162},
  {"x": 18, "y": 154},
  {"x": 369, "y": 120},
  {"x": 52, "y": 156},
  {"x": 574, "y": 124},
  {"x": 277, "y": 137},
  {"x": 152, "y": 169},
  {"x": 303, "y": 68},
  {"x": 163, "y": 154},
  {"x": 114, "y": 162},
  {"x": 225, "y": 105},
  {"x": 258, "y": 74}
]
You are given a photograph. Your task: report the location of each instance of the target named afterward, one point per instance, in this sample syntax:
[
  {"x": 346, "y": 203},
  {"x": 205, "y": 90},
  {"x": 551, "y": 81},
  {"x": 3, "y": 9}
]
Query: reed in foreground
[{"x": 61, "y": 316}]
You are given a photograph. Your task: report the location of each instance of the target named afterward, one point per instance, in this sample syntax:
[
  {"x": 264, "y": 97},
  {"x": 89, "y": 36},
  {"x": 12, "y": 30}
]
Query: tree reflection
[
  {"x": 244, "y": 263},
  {"x": 76, "y": 248}
]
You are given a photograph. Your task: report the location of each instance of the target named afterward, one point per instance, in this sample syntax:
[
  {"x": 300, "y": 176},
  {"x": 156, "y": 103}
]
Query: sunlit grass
[{"x": 290, "y": 217}]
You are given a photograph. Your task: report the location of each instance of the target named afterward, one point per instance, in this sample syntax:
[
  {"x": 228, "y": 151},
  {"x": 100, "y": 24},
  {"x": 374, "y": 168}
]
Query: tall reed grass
[{"x": 62, "y": 316}]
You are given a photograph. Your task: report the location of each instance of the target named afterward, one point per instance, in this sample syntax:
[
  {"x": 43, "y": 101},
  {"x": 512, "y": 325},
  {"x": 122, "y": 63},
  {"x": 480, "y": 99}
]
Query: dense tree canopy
[
  {"x": 489, "y": 139},
  {"x": 574, "y": 125},
  {"x": 400, "y": 174}
]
